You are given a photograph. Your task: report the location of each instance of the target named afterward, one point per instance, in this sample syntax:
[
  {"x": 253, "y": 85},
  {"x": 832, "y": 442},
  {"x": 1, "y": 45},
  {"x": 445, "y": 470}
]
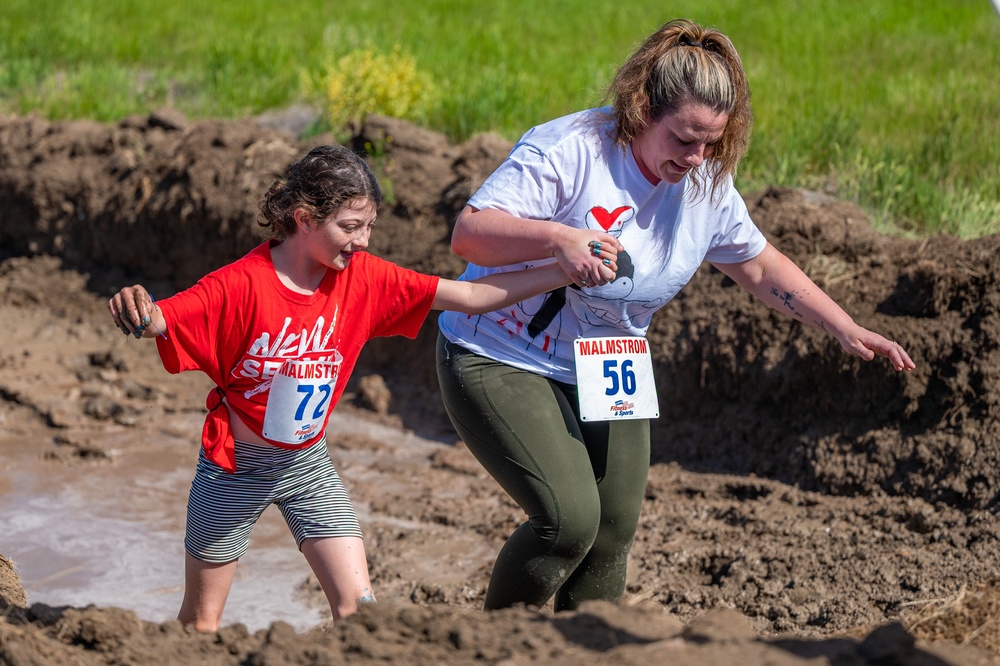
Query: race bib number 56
[
  {"x": 615, "y": 379},
  {"x": 299, "y": 400}
]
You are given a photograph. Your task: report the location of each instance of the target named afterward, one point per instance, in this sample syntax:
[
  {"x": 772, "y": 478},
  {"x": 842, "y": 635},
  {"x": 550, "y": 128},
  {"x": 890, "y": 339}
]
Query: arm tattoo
[{"x": 786, "y": 299}]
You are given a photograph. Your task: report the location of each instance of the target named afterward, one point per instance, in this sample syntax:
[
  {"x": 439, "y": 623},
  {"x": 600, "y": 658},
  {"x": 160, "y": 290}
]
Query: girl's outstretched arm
[{"x": 502, "y": 289}]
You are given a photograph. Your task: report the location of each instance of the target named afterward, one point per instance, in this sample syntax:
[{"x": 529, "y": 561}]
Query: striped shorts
[{"x": 223, "y": 508}]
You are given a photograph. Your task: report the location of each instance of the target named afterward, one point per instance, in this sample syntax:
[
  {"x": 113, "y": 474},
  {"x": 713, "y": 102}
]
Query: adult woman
[
  {"x": 279, "y": 332},
  {"x": 655, "y": 170}
]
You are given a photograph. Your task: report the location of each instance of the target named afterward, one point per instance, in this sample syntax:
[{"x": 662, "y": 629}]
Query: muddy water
[{"x": 111, "y": 534}]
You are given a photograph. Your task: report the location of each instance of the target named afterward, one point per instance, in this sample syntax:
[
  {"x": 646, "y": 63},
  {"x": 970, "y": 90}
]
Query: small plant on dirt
[
  {"x": 365, "y": 81},
  {"x": 827, "y": 271},
  {"x": 378, "y": 156}
]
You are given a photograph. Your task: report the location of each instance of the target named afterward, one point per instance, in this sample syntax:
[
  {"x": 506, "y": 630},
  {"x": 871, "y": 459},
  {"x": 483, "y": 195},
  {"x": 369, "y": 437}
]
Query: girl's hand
[
  {"x": 131, "y": 309},
  {"x": 589, "y": 258}
]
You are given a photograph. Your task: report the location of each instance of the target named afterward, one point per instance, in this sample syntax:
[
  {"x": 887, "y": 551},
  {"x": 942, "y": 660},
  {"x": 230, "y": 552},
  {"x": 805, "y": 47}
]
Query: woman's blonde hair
[{"x": 679, "y": 64}]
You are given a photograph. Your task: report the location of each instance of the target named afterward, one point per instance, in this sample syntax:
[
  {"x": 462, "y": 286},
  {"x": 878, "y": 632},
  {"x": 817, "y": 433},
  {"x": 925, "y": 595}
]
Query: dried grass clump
[{"x": 970, "y": 617}]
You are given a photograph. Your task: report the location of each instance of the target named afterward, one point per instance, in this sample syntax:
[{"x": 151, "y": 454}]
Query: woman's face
[
  {"x": 347, "y": 231},
  {"x": 668, "y": 148}
]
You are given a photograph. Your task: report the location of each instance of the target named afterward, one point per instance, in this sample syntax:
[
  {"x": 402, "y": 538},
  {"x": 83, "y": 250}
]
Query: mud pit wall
[{"x": 742, "y": 389}]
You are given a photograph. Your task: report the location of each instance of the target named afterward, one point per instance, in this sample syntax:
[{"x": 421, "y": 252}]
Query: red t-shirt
[{"x": 250, "y": 334}]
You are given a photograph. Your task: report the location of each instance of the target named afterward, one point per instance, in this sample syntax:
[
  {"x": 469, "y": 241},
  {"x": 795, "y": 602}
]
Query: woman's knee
[{"x": 571, "y": 527}]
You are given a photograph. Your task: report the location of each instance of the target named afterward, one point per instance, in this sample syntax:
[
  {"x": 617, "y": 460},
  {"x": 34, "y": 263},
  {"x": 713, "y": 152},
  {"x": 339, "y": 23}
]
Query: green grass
[{"x": 894, "y": 104}]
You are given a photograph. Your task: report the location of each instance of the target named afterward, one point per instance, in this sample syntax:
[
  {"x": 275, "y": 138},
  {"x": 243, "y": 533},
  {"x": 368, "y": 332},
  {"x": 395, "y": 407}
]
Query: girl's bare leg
[
  {"x": 342, "y": 569},
  {"x": 206, "y": 588}
]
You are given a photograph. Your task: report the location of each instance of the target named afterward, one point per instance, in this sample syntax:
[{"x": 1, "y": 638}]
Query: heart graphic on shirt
[{"x": 610, "y": 221}]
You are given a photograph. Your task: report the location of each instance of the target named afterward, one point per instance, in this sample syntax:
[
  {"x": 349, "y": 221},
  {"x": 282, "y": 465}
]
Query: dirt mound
[
  {"x": 599, "y": 633},
  {"x": 746, "y": 390},
  {"x": 809, "y": 491}
]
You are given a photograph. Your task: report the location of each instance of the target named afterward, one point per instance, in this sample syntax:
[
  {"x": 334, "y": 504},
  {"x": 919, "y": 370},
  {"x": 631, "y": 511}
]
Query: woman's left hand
[{"x": 866, "y": 344}]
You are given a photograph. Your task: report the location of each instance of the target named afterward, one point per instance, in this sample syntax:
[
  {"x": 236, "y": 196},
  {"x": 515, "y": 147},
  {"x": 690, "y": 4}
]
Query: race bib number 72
[
  {"x": 299, "y": 400},
  {"x": 615, "y": 379}
]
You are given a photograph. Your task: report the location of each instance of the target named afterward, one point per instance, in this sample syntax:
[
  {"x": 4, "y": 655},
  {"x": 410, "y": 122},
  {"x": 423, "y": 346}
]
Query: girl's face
[
  {"x": 345, "y": 232},
  {"x": 668, "y": 148}
]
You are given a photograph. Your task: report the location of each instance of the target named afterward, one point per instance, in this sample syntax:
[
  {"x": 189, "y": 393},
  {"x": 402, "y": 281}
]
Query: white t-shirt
[{"x": 571, "y": 171}]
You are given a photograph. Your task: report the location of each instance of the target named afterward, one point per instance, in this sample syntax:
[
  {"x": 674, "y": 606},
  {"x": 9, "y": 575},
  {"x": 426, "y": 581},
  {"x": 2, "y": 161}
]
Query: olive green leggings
[{"x": 581, "y": 484}]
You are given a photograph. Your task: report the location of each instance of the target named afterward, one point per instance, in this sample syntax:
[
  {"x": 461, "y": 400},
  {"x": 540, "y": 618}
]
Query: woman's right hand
[
  {"x": 491, "y": 237},
  {"x": 588, "y": 257}
]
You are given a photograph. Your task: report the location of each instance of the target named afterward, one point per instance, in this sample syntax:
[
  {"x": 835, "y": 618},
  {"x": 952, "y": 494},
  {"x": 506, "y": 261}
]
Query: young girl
[{"x": 279, "y": 332}]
